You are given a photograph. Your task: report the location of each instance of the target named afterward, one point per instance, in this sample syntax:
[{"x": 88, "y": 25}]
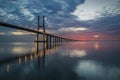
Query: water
[{"x": 69, "y": 61}]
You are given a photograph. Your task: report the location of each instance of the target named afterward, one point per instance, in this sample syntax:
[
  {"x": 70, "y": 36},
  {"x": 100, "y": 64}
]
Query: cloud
[
  {"x": 25, "y": 12},
  {"x": 109, "y": 25},
  {"x": 93, "y": 9},
  {"x": 28, "y": 14},
  {"x": 74, "y": 29},
  {"x": 95, "y": 36},
  {"x": 21, "y": 33},
  {"x": 2, "y": 33}
]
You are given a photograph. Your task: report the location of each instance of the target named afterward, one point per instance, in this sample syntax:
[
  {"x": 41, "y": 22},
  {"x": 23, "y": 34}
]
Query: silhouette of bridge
[{"x": 48, "y": 38}]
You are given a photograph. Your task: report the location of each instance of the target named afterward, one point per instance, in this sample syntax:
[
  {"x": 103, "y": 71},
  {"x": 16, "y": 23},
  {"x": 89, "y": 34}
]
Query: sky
[{"x": 77, "y": 19}]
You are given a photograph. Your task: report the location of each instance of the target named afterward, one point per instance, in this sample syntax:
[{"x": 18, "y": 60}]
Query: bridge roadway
[{"x": 56, "y": 38}]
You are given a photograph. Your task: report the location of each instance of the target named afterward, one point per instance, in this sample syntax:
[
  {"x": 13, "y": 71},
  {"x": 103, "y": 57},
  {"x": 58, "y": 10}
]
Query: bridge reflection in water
[{"x": 38, "y": 57}]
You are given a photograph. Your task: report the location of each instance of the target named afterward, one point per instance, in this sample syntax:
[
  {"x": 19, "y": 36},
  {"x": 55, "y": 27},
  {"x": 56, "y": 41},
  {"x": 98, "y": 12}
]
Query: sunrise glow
[{"x": 95, "y": 36}]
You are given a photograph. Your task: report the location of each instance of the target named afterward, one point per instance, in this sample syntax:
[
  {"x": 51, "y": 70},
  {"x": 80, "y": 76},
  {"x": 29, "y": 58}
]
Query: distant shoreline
[{"x": 71, "y": 41}]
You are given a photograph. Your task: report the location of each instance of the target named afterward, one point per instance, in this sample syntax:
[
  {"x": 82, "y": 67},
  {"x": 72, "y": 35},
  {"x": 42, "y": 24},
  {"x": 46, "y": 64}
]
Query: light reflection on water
[
  {"x": 8, "y": 50},
  {"x": 19, "y": 50},
  {"x": 96, "y": 45},
  {"x": 75, "y": 53},
  {"x": 93, "y": 70},
  {"x": 70, "y": 61}
]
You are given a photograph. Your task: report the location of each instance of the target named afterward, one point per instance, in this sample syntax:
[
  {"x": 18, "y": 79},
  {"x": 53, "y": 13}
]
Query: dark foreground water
[{"x": 69, "y": 61}]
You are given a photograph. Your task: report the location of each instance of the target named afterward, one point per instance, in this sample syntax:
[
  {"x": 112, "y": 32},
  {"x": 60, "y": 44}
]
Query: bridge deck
[{"x": 29, "y": 30}]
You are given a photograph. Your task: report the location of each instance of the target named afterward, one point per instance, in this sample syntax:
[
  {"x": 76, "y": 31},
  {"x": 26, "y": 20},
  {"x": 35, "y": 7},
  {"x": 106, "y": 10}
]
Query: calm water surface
[{"x": 69, "y": 61}]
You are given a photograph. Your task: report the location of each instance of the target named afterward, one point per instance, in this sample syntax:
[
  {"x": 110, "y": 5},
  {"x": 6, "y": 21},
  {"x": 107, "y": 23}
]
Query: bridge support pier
[{"x": 50, "y": 41}]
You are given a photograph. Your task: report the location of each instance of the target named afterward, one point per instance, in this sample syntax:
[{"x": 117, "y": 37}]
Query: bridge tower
[{"x": 44, "y": 33}]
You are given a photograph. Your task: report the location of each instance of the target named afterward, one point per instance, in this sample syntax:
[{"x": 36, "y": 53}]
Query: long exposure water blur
[{"x": 63, "y": 61}]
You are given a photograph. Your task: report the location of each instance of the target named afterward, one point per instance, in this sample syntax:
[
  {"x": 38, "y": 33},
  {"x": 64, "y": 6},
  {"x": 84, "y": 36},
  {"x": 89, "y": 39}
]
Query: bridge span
[
  {"x": 47, "y": 38},
  {"x": 56, "y": 38}
]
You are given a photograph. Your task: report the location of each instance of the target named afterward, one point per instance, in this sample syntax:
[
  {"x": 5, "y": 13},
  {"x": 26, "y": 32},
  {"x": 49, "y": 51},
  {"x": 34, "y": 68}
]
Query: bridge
[{"x": 48, "y": 38}]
